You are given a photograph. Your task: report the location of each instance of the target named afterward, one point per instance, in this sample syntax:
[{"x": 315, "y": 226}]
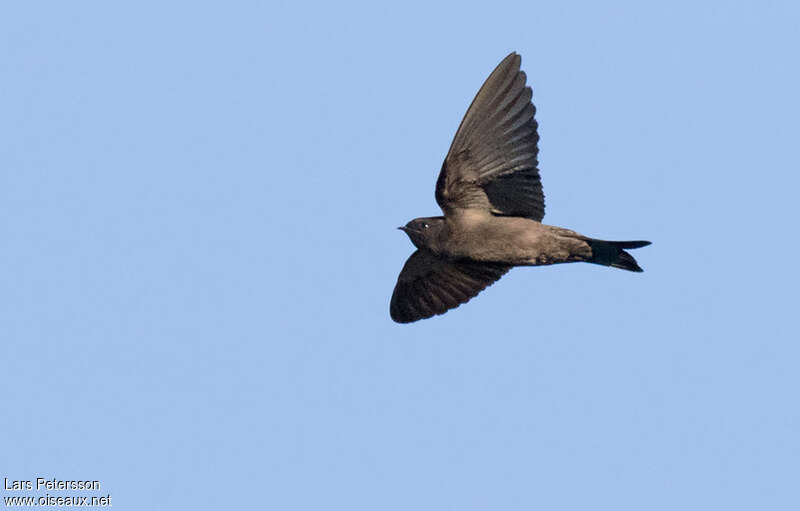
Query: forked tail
[{"x": 612, "y": 253}]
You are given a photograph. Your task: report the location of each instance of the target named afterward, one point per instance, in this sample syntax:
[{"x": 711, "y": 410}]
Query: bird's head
[{"x": 424, "y": 232}]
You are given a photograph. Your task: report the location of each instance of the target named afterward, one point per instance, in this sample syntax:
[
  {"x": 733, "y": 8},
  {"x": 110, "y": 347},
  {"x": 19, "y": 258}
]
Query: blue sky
[{"x": 198, "y": 209}]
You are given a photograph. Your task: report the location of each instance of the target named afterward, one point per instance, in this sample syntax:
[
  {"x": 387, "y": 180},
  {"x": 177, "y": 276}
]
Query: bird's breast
[{"x": 485, "y": 237}]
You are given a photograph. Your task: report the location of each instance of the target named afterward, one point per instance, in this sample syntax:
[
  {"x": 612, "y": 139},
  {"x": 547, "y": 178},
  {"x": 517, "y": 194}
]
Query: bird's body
[
  {"x": 521, "y": 241},
  {"x": 491, "y": 194}
]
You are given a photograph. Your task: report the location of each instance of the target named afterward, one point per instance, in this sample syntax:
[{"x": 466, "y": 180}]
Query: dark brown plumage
[{"x": 491, "y": 195}]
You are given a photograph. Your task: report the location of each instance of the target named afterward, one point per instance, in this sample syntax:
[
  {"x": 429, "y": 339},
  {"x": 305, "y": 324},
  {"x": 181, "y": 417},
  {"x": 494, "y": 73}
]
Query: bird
[{"x": 490, "y": 192}]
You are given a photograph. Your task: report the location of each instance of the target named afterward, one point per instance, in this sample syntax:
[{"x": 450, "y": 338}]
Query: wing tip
[{"x": 514, "y": 59}]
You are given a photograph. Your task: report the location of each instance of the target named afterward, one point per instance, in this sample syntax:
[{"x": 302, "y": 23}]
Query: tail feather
[
  {"x": 629, "y": 244},
  {"x": 612, "y": 253}
]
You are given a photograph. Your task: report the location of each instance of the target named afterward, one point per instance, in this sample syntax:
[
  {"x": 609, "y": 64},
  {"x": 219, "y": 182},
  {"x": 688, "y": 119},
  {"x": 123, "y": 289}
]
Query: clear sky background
[{"x": 198, "y": 205}]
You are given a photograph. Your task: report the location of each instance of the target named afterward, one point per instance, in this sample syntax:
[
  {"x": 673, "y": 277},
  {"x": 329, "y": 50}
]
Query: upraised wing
[{"x": 492, "y": 161}]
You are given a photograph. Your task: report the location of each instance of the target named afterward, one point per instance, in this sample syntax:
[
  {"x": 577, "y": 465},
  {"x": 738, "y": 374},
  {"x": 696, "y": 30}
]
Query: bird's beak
[{"x": 402, "y": 228}]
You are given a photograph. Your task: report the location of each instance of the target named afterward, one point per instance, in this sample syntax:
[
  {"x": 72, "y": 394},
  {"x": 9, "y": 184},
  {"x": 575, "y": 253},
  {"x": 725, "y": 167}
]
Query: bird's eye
[{"x": 425, "y": 225}]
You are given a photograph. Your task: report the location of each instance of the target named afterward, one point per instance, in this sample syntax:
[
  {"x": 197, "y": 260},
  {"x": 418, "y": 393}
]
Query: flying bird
[{"x": 491, "y": 196}]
